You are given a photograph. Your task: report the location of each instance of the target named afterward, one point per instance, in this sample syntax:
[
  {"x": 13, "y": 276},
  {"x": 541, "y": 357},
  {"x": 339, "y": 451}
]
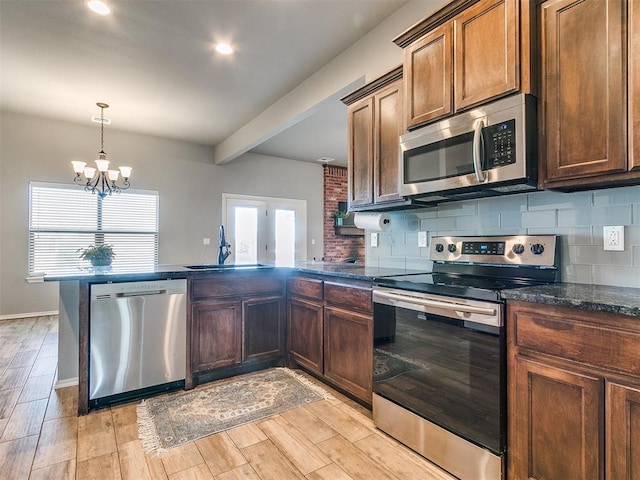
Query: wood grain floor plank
[
  {"x": 330, "y": 472},
  {"x": 23, "y": 358},
  {"x": 246, "y": 435},
  {"x": 353, "y": 461},
  {"x": 243, "y": 472},
  {"x": 36, "y": 388},
  {"x": 269, "y": 463},
  {"x": 125, "y": 422},
  {"x": 25, "y": 420},
  {"x": 63, "y": 402},
  {"x": 51, "y": 338},
  {"x": 136, "y": 465},
  {"x": 43, "y": 366},
  {"x": 8, "y": 400},
  {"x": 298, "y": 449},
  {"x": 220, "y": 453},
  {"x": 48, "y": 350},
  {"x": 96, "y": 436},
  {"x": 58, "y": 471},
  {"x": 403, "y": 463},
  {"x": 341, "y": 422},
  {"x": 309, "y": 424},
  {"x": 16, "y": 457},
  {"x": 181, "y": 458},
  {"x": 104, "y": 467},
  {"x": 358, "y": 415},
  {"x": 199, "y": 472},
  {"x": 14, "y": 377},
  {"x": 58, "y": 442}
]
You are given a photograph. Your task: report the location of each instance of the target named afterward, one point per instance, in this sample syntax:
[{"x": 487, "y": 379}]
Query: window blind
[{"x": 64, "y": 219}]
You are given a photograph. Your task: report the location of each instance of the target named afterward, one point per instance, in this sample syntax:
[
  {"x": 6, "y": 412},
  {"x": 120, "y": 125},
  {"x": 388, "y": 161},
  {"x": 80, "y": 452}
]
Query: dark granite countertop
[
  {"x": 344, "y": 270},
  {"x": 599, "y": 298}
]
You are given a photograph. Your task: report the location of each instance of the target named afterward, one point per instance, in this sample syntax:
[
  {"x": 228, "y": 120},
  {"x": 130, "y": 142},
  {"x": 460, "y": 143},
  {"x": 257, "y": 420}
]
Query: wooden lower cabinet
[
  {"x": 217, "y": 334},
  {"x": 348, "y": 350},
  {"x": 305, "y": 336},
  {"x": 559, "y": 417},
  {"x": 262, "y": 328},
  {"x": 573, "y": 393}
]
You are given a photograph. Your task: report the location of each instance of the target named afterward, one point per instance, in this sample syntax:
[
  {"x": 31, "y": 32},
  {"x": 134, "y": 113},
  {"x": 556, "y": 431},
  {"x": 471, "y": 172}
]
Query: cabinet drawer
[
  {"x": 306, "y": 287},
  {"x": 351, "y": 297},
  {"x": 568, "y": 335},
  {"x": 222, "y": 285}
]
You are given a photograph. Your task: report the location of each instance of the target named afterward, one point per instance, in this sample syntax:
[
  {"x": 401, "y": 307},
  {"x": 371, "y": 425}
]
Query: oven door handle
[{"x": 411, "y": 302}]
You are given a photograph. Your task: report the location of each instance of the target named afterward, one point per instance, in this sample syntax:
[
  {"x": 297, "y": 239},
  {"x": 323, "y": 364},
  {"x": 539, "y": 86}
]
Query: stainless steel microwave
[{"x": 490, "y": 150}]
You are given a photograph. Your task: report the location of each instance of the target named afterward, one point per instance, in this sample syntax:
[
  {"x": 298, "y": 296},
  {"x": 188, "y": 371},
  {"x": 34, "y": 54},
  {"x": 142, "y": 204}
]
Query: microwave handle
[{"x": 477, "y": 152}]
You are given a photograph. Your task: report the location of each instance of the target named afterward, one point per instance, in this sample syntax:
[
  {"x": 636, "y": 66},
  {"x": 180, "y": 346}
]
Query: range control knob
[
  {"x": 451, "y": 247},
  {"x": 439, "y": 248},
  {"x": 537, "y": 249},
  {"x": 518, "y": 249}
]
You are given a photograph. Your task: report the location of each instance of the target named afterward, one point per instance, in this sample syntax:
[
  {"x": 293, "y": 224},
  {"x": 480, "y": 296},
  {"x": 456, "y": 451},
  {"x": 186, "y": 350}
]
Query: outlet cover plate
[
  {"x": 374, "y": 239},
  {"x": 422, "y": 239},
  {"x": 613, "y": 238}
]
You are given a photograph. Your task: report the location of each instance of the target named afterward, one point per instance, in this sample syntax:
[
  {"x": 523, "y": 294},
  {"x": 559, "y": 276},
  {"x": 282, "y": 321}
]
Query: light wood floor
[{"x": 42, "y": 438}]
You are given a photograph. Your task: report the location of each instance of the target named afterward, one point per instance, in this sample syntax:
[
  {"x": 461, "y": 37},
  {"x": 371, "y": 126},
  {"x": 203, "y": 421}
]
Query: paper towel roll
[{"x": 377, "y": 222}]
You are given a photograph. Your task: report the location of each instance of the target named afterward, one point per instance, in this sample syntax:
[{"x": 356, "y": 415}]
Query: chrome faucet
[{"x": 224, "y": 247}]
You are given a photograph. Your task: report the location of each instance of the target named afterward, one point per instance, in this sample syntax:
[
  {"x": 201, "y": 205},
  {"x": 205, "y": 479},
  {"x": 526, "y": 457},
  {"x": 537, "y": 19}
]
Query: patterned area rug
[
  {"x": 177, "y": 418},
  {"x": 387, "y": 365}
]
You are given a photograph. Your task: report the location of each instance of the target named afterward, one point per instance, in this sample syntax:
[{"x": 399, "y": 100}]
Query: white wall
[{"x": 190, "y": 188}]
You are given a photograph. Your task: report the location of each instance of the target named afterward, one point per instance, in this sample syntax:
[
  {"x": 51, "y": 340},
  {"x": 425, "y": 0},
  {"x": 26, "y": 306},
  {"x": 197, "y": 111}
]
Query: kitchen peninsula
[{"x": 245, "y": 305}]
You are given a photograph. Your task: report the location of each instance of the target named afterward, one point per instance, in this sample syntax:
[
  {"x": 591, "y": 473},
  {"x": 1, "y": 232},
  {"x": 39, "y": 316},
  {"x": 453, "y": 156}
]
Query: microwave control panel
[{"x": 500, "y": 144}]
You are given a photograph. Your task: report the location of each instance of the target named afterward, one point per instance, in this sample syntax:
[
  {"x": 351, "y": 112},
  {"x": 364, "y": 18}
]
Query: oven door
[{"x": 443, "y": 359}]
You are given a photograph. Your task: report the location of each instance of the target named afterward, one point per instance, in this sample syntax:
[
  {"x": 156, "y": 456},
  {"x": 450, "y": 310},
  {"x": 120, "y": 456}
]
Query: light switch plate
[
  {"x": 613, "y": 238},
  {"x": 206, "y": 241},
  {"x": 422, "y": 239},
  {"x": 374, "y": 239}
]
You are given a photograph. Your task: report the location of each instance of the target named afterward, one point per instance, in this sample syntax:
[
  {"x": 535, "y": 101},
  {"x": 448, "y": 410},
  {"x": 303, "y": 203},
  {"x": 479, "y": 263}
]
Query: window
[
  {"x": 265, "y": 229},
  {"x": 63, "y": 219}
]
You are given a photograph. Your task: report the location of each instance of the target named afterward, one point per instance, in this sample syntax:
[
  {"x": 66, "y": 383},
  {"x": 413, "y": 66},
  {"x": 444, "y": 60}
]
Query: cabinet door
[
  {"x": 305, "y": 333},
  {"x": 217, "y": 334},
  {"x": 623, "y": 432},
  {"x": 388, "y": 128},
  {"x": 486, "y": 52},
  {"x": 262, "y": 327},
  {"x": 583, "y": 88},
  {"x": 555, "y": 423},
  {"x": 348, "y": 350},
  {"x": 428, "y": 77},
  {"x": 360, "y": 124},
  {"x": 634, "y": 85}
]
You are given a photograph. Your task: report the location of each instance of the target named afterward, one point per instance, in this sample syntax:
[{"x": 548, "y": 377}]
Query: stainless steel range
[{"x": 439, "y": 378}]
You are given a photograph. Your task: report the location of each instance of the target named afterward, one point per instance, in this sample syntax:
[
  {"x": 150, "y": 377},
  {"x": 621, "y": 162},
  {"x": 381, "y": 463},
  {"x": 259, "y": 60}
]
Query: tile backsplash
[{"x": 577, "y": 218}]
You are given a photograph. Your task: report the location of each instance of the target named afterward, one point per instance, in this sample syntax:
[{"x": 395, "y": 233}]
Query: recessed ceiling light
[
  {"x": 99, "y": 7},
  {"x": 224, "y": 49}
]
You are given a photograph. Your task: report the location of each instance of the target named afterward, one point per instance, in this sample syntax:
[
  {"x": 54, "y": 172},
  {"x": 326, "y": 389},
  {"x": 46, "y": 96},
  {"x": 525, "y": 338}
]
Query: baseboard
[
  {"x": 67, "y": 382},
  {"x": 28, "y": 315}
]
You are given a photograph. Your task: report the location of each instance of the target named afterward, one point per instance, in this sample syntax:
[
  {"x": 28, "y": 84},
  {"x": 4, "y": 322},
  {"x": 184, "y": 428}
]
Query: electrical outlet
[
  {"x": 206, "y": 241},
  {"x": 374, "y": 239},
  {"x": 422, "y": 239},
  {"x": 613, "y": 238}
]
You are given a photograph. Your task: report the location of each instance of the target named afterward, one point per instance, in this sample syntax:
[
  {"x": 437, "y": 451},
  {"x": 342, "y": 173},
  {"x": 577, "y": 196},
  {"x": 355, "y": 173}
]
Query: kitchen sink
[{"x": 215, "y": 266}]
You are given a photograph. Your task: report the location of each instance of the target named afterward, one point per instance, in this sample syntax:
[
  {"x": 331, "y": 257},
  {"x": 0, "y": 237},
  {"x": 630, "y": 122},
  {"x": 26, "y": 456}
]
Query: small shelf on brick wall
[{"x": 349, "y": 230}]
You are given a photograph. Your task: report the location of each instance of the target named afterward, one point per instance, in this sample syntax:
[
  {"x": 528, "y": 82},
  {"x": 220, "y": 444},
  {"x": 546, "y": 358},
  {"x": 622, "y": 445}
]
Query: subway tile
[
  {"x": 567, "y": 235},
  {"x": 418, "y": 263},
  {"x": 406, "y": 223},
  {"x": 636, "y": 213},
  {"x": 636, "y": 257},
  {"x": 407, "y": 249},
  {"x": 597, "y": 216},
  {"x": 391, "y": 262},
  {"x": 456, "y": 209},
  {"x": 558, "y": 200},
  {"x": 510, "y": 220},
  {"x": 478, "y": 222},
  {"x": 435, "y": 224},
  {"x": 595, "y": 255},
  {"x": 541, "y": 218},
  {"x": 575, "y": 273},
  {"x": 616, "y": 196},
  {"x": 431, "y": 212},
  {"x": 509, "y": 203},
  {"x": 616, "y": 276}
]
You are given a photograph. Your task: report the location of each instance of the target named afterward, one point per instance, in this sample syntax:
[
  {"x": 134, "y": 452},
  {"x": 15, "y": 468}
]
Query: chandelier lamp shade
[{"x": 99, "y": 180}]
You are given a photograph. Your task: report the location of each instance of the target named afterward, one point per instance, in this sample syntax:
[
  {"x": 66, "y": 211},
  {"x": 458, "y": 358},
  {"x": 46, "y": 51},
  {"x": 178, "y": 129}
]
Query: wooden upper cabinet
[
  {"x": 428, "y": 77},
  {"x": 634, "y": 85},
  {"x": 387, "y": 130},
  {"x": 360, "y": 125},
  {"x": 486, "y": 52},
  {"x": 375, "y": 123},
  {"x": 584, "y": 85}
]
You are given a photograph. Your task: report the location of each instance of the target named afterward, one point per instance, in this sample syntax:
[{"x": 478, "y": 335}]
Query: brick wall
[{"x": 337, "y": 247}]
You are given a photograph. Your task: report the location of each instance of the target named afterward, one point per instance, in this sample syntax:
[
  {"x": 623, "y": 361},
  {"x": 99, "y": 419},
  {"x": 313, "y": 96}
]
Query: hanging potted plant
[
  {"x": 338, "y": 217},
  {"x": 100, "y": 255}
]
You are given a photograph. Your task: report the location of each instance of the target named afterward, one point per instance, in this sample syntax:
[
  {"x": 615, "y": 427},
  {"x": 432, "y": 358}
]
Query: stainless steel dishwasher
[{"x": 137, "y": 335}]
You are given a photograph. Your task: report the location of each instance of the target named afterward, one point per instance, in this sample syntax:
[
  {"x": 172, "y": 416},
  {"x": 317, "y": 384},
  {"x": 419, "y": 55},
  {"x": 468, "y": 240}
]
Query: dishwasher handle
[{"x": 140, "y": 294}]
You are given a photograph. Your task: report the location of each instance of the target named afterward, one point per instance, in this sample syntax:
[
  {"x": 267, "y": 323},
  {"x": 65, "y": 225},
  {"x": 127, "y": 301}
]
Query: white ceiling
[{"x": 153, "y": 62}]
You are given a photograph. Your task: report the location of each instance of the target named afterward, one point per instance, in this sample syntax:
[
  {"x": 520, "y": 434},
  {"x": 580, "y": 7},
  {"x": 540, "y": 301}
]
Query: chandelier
[{"x": 99, "y": 179}]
